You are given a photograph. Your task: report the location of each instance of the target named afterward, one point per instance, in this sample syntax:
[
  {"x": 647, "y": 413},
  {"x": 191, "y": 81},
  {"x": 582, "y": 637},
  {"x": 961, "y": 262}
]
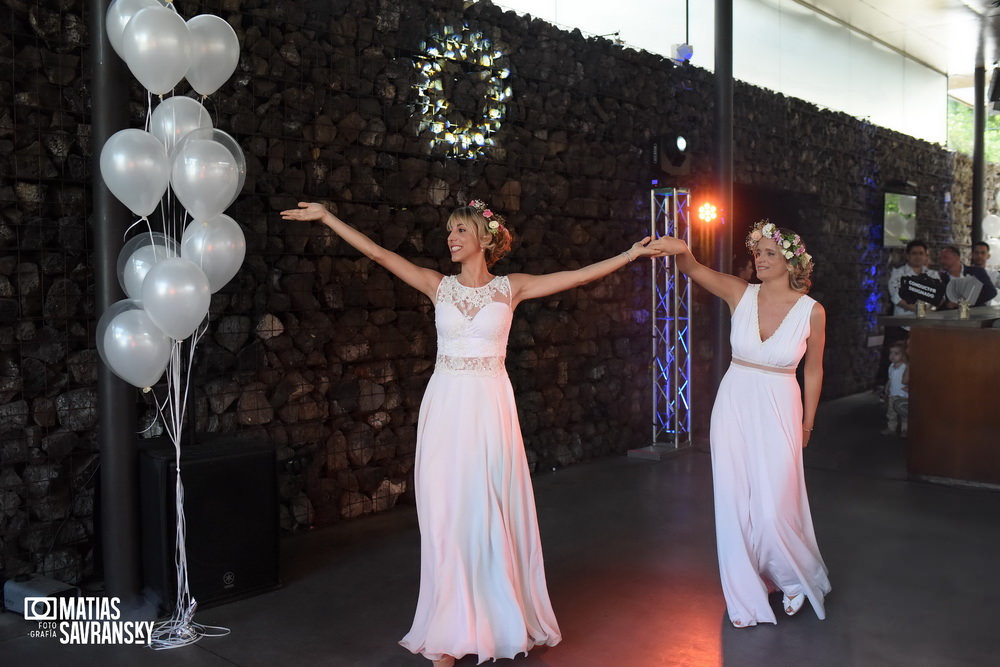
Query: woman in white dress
[
  {"x": 482, "y": 579},
  {"x": 760, "y": 423}
]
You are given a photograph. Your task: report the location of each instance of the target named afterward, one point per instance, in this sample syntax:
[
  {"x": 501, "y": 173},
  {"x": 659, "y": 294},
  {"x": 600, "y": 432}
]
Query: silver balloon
[
  {"x": 120, "y": 12},
  {"x": 176, "y": 295},
  {"x": 218, "y": 246},
  {"x": 175, "y": 117},
  {"x": 138, "y": 256},
  {"x": 135, "y": 168},
  {"x": 108, "y": 315},
  {"x": 219, "y": 136},
  {"x": 205, "y": 175},
  {"x": 994, "y": 250},
  {"x": 157, "y": 48},
  {"x": 134, "y": 348},
  {"x": 215, "y": 53}
]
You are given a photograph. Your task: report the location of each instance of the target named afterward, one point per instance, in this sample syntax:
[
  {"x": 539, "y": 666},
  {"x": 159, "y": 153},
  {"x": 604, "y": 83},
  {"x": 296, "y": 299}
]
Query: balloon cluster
[{"x": 169, "y": 282}]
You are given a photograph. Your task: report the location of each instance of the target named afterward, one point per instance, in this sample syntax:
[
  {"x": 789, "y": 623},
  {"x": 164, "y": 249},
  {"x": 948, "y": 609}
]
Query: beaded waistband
[{"x": 481, "y": 366}]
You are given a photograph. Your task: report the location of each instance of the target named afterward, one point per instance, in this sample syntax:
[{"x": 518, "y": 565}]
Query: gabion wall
[{"x": 324, "y": 354}]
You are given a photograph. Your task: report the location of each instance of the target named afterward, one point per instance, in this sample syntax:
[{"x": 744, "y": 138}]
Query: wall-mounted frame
[{"x": 899, "y": 219}]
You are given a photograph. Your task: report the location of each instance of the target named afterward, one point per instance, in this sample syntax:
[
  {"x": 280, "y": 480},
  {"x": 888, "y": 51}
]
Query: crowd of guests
[
  {"x": 918, "y": 261},
  {"x": 894, "y": 370}
]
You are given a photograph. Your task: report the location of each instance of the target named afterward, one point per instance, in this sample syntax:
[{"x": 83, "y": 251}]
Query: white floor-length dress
[
  {"x": 764, "y": 530},
  {"x": 482, "y": 579}
]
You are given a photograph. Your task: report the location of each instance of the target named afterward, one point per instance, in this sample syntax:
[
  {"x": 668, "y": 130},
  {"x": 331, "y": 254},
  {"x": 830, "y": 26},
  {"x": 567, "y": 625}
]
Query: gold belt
[{"x": 763, "y": 367}]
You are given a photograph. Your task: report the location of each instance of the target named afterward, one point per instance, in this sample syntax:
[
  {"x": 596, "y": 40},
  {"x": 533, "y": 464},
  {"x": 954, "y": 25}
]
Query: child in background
[{"x": 896, "y": 392}]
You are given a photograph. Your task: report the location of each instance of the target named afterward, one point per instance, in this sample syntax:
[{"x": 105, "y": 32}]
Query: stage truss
[{"x": 671, "y": 318}]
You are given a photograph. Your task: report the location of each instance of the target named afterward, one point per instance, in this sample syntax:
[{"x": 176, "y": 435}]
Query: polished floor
[{"x": 630, "y": 557}]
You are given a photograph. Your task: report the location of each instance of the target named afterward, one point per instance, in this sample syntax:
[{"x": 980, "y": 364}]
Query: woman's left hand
[{"x": 806, "y": 433}]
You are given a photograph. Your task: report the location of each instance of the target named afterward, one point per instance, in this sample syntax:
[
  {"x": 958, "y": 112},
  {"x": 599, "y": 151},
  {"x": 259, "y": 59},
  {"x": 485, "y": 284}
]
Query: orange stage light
[{"x": 708, "y": 212}]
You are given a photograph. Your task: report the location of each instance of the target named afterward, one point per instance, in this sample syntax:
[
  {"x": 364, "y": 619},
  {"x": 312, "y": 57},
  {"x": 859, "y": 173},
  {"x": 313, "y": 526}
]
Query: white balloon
[
  {"x": 105, "y": 319},
  {"x": 241, "y": 160},
  {"x": 135, "y": 168},
  {"x": 139, "y": 255},
  {"x": 215, "y": 53},
  {"x": 991, "y": 225},
  {"x": 176, "y": 295},
  {"x": 994, "y": 250},
  {"x": 215, "y": 134},
  {"x": 157, "y": 48},
  {"x": 205, "y": 176},
  {"x": 175, "y": 117},
  {"x": 120, "y": 12},
  {"x": 134, "y": 348},
  {"x": 218, "y": 246}
]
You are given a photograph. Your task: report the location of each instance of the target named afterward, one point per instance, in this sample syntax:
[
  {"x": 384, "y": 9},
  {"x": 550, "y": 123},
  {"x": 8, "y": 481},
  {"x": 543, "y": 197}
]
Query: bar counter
[
  {"x": 984, "y": 316},
  {"x": 954, "y": 413}
]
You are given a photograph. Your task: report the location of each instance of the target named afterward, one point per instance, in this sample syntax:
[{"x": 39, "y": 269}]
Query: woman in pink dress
[
  {"x": 760, "y": 423},
  {"x": 482, "y": 579}
]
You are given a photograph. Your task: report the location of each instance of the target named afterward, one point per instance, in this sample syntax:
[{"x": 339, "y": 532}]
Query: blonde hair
[
  {"x": 799, "y": 277},
  {"x": 496, "y": 243}
]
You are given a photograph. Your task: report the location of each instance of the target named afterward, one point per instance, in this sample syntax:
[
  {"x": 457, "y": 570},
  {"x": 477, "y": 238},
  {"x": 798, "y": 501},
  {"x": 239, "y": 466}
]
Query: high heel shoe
[
  {"x": 445, "y": 661},
  {"x": 792, "y": 605}
]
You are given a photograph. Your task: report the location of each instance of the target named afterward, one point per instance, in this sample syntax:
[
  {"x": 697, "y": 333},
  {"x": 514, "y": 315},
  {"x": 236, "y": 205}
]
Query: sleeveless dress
[
  {"x": 482, "y": 579},
  {"x": 764, "y": 530}
]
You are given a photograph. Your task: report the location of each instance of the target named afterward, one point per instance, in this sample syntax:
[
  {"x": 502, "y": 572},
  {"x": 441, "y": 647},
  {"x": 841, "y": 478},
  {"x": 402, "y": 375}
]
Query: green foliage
[{"x": 960, "y": 130}]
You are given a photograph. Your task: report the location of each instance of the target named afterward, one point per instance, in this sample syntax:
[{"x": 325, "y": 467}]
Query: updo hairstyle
[{"x": 491, "y": 229}]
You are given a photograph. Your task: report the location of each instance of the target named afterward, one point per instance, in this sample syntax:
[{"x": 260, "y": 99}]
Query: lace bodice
[{"x": 472, "y": 326}]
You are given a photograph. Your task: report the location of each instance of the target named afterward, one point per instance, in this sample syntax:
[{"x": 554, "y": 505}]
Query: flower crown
[
  {"x": 494, "y": 222},
  {"x": 789, "y": 243}
]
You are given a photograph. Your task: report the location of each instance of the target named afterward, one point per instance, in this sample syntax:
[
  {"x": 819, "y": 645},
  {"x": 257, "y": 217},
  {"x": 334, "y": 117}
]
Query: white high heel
[{"x": 792, "y": 605}]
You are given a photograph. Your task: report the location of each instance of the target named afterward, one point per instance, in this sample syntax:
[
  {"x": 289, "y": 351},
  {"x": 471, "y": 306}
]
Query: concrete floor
[{"x": 631, "y": 565}]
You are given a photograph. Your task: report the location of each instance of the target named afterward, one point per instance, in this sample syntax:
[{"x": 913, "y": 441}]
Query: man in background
[
  {"x": 981, "y": 258},
  {"x": 952, "y": 267}
]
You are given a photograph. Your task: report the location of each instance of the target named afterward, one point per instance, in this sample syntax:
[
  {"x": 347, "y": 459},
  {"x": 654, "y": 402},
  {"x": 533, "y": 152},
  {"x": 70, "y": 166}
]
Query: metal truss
[{"x": 671, "y": 317}]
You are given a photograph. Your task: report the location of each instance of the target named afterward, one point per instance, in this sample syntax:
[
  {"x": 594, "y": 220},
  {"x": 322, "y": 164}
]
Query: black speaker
[{"x": 231, "y": 519}]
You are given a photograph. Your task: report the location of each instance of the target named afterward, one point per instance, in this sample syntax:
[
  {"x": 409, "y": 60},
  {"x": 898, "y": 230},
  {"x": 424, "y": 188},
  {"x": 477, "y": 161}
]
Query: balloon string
[
  {"x": 137, "y": 222},
  {"x": 180, "y": 629}
]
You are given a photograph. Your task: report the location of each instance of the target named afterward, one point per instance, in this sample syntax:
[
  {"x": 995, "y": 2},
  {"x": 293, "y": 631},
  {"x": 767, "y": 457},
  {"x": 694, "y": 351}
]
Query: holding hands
[
  {"x": 666, "y": 246},
  {"x": 650, "y": 247}
]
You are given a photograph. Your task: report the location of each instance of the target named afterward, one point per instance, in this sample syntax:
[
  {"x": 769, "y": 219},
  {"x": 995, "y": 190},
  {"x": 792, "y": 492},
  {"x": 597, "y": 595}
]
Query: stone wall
[{"x": 325, "y": 354}]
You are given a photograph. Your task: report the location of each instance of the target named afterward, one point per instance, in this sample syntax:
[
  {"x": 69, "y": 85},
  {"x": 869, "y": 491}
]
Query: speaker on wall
[{"x": 231, "y": 519}]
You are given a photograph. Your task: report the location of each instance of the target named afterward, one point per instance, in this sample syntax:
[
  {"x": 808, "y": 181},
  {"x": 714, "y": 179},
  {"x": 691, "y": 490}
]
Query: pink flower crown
[
  {"x": 494, "y": 222},
  {"x": 790, "y": 244}
]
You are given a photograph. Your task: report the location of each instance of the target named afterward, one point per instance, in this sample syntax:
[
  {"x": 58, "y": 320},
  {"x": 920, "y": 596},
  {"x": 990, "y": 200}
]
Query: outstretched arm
[
  {"x": 526, "y": 286},
  {"x": 812, "y": 371},
  {"x": 425, "y": 280},
  {"x": 726, "y": 287}
]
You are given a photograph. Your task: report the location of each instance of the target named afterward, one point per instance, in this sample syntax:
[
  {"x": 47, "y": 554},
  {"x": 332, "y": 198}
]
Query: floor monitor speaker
[{"x": 231, "y": 518}]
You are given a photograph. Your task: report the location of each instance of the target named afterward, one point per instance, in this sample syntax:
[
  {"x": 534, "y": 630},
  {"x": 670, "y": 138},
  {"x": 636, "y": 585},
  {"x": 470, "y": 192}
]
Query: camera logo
[{"x": 41, "y": 609}]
